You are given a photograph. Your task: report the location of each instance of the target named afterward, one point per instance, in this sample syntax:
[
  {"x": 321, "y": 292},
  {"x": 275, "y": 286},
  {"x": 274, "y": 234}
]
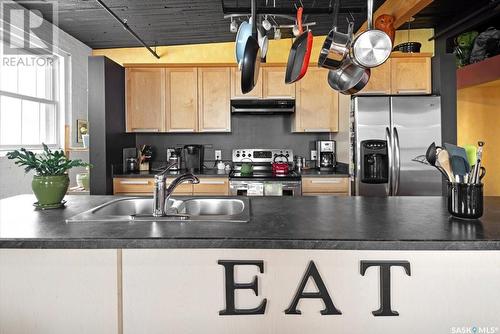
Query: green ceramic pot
[{"x": 50, "y": 189}]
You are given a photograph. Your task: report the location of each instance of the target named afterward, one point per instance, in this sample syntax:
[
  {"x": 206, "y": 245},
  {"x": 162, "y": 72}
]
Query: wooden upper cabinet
[
  {"x": 145, "y": 103},
  {"x": 273, "y": 83},
  {"x": 181, "y": 99},
  {"x": 411, "y": 75},
  {"x": 236, "y": 86},
  {"x": 316, "y": 103},
  {"x": 380, "y": 80},
  {"x": 214, "y": 99}
]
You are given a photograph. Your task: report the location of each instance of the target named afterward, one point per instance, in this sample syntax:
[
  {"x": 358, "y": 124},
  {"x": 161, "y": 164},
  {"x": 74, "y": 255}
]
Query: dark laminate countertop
[{"x": 403, "y": 223}]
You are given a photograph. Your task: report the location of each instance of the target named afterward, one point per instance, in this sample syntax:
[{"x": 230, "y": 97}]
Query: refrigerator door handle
[
  {"x": 389, "y": 185},
  {"x": 397, "y": 162}
]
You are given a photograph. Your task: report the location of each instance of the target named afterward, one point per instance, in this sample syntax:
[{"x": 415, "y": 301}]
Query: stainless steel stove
[{"x": 262, "y": 181}]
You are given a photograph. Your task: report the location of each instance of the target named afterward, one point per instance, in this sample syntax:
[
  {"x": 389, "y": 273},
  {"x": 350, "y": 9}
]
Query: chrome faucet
[{"x": 162, "y": 193}]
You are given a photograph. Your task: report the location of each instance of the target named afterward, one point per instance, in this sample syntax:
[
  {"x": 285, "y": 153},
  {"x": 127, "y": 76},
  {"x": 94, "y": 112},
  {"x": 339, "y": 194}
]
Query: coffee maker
[
  {"x": 326, "y": 158},
  {"x": 193, "y": 157}
]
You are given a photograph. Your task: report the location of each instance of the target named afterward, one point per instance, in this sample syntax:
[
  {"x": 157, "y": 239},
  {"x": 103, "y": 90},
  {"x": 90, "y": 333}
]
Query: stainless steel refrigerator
[{"x": 386, "y": 134}]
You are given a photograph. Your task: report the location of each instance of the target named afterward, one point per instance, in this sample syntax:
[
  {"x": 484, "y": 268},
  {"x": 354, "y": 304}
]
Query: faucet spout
[{"x": 162, "y": 193}]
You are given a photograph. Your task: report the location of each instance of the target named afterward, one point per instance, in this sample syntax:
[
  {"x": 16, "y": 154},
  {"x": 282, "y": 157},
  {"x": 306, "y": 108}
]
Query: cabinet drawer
[
  {"x": 322, "y": 185},
  {"x": 212, "y": 186},
  {"x": 144, "y": 186},
  {"x": 133, "y": 185}
]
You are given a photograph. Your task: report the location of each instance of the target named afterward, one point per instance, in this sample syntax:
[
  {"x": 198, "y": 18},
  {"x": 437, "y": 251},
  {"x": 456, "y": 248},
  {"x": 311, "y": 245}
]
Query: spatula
[
  {"x": 471, "y": 151},
  {"x": 443, "y": 159},
  {"x": 458, "y": 159}
]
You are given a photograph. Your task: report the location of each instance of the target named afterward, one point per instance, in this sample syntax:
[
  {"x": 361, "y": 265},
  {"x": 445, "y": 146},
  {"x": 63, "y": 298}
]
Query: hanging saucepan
[
  {"x": 263, "y": 42},
  {"x": 349, "y": 78},
  {"x": 298, "y": 58},
  {"x": 372, "y": 47},
  {"x": 336, "y": 46},
  {"x": 250, "y": 63}
]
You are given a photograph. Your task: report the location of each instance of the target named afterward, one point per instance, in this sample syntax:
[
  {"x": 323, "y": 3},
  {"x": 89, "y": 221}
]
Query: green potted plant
[{"x": 51, "y": 180}]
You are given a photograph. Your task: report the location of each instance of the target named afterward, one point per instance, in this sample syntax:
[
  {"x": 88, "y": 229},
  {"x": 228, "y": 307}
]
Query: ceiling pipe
[{"x": 127, "y": 28}]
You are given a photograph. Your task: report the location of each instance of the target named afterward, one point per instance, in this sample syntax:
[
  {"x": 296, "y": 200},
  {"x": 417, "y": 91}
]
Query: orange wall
[{"x": 478, "y": 118}]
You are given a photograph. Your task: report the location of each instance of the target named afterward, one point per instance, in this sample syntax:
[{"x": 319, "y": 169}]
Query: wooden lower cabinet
[
  {"x": 208, "y": 186},
  {"x": 335, "y": 186},
  {"x": 215, "y": 186}
]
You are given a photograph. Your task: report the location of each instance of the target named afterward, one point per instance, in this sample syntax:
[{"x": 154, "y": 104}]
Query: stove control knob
[
  {"x": 249, "y": 155},
  {"x": 243, "y": 155},
  {"x": 237, "y": 155},
  {"x": 287, "y": 155}
]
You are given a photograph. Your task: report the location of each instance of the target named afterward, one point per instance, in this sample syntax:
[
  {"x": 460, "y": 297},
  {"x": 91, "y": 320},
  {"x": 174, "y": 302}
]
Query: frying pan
[
  {"x": 250, "y": 63},
  {"x": 336, "y": 46},
  {"x": 298, "y": 59},
  {"x": 372, "y": 47},
  {"x": 244, "y": 31}
]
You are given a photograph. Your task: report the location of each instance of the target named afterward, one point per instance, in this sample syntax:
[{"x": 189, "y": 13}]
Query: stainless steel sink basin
[{"x": 228, "y": 209}]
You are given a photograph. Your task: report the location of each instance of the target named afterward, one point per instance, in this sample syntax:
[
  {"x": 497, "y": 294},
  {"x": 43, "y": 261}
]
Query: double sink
[{"x": 228, "y": 209}]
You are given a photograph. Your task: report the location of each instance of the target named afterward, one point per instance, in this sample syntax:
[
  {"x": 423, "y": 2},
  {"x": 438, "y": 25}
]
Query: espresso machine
[{"x": 326, "y": 156}]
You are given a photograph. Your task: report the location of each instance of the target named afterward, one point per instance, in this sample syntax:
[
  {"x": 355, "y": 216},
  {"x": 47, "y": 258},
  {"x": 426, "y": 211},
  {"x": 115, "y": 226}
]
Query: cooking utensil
[
  {"x": 281, "y": 167},
  {"x": 244, "y": 31},
  {"x": 349, "y": 78},
  {"x": 458, "y": 159},
  {"x": 336, "y": 46},
  {"x": 372, "y": 47},
  {"x": 246, "y": 168},
  {"x": 443, "y": 158},
  {"x": 471, "y": 152},
  {"x": 431, "y": 154},
  {"x": 250, "y": 63},
  {"x": 477, "y": 167},
  {"x": 408, "y": 47},
  {"x": 263, "y": 43},
  {"x": 298, "y": 58},
  {"x": 385, "y": 23}
]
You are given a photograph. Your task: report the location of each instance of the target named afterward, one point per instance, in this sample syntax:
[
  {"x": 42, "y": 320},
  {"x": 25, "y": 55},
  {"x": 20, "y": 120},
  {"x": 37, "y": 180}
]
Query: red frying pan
[{"x": 298, "y": 59}]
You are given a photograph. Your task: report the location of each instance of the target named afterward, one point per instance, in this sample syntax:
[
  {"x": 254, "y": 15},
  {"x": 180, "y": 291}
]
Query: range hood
[{"x": 263, "y": 106}]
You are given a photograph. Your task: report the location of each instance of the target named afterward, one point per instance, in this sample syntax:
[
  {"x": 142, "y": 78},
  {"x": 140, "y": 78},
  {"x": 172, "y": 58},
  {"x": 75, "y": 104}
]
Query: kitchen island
[{"x": 382, "y": 265}]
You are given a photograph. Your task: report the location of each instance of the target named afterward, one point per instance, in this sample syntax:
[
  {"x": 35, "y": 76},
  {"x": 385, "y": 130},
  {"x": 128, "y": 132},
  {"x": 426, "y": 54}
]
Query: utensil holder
[{"x": 465, "y": 200}]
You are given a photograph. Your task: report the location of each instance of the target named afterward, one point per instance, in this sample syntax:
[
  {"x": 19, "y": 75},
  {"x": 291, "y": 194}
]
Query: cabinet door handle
[
  {"x": 145, "y": 130},
  {"x": 326, "y": 181},
  {"x": 317, "y": 130},
  {"x": 412, "y": 91},
  {"x": 215, "y": 130},
  {"x": 181, "y": 130},
  {"x": 136, "y": 182},
  {"x": 213, "y": 182},
  {"x": 374, "y": 92}
]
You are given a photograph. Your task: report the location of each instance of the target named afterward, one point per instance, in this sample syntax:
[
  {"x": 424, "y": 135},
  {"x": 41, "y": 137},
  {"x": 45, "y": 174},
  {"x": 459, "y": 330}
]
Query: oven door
[{"x": 264, "y": 188}]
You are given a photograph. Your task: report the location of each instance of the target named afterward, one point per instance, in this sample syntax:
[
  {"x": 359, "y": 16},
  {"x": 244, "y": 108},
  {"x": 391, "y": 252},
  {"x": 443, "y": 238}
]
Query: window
[{"x": 29, "y": 101}]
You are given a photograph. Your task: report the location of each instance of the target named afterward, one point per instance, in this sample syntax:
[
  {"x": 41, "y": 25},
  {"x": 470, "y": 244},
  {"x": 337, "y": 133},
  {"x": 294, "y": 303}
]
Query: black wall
[
  {"x": 248, "y": 131},
  {"x": 106, "y": 114}
]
